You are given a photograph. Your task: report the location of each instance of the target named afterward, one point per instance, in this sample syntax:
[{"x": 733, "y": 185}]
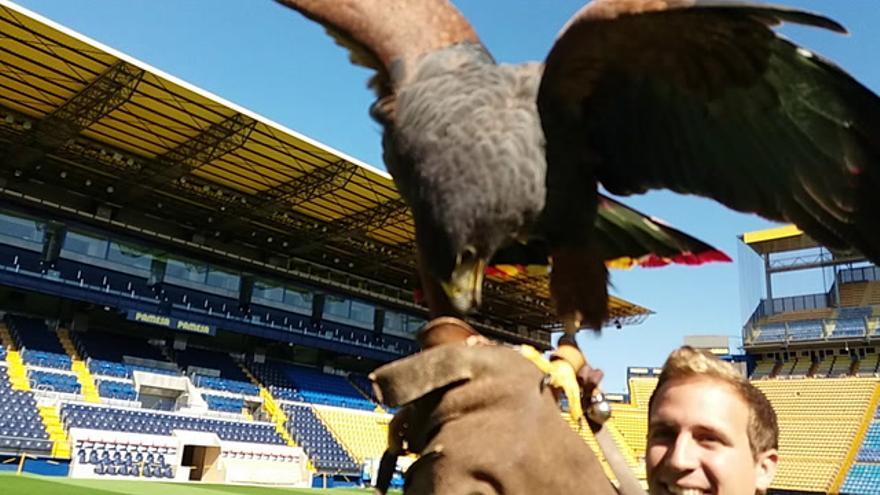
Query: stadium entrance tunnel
[{"x": 201, "y": 455}]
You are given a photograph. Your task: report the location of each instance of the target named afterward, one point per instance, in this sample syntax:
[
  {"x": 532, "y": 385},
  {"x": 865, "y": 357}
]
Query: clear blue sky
[{"x": 266, "y": 58}]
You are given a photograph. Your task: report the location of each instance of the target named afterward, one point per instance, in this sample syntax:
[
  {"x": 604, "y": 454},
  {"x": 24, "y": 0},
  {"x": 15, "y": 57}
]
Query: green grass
[{"x": 41, "y": 485}]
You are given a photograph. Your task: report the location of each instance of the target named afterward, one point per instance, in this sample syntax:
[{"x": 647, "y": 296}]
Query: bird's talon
[{"x": 545, "y": 382}]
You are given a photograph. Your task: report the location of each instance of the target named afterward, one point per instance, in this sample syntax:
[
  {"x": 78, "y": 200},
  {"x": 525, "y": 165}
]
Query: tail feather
[{"x": 579, "y": 285}]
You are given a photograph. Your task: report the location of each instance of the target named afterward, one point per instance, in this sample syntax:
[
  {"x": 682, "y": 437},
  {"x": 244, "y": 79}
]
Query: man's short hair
[{"x": 687, "y": 362}]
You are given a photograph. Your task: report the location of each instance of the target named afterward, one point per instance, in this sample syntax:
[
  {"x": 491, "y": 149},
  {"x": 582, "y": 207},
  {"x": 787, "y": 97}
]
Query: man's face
[{"x": 698, "y": 442}]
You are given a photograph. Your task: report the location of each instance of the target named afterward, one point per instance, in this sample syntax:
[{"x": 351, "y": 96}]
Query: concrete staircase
[
  {"x": 52, "y": 421},
  {"x": 78, "y": 366}
]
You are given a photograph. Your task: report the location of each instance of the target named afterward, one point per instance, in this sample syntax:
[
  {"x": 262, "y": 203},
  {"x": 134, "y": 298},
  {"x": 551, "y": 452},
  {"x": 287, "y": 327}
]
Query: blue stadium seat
[
  {"x": 56, "y": 382},
  {"x": 116, "y": 390},
  {"x": 155, "y": 423},
  {"x": 226, "y": 385},
  {"x": 319, "y": 444},
  {"x": 222, "y": 403},
  {"x": 805, "y": 330},
  {"x": 21, "y": 429},
  {"x": 293, "y": 382},
  {"x": 862, "y": 479},
  {"x": 772, "y": 333}
]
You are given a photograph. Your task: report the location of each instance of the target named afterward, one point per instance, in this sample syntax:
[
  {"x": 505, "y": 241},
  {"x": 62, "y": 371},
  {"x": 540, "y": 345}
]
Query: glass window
[
  {"x": 337, "y": 306},
  {"x": 362, "y": 312},
  {"x": 21, "y": 228},
  {"x": 186, "y": 270},
  {"x": 394, "y": 321},
  {"x": 81, "y": 243},
  {"x": 129, "y": 255},
  {"x": 223, "y": 280},
  {"x": 299, "y": 298},
  {"x": 270, "y": 291},
  {"x": 414, "y": 324}
]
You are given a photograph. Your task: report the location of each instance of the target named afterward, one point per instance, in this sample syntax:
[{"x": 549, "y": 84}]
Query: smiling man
[{"x": 710, "y": 431}]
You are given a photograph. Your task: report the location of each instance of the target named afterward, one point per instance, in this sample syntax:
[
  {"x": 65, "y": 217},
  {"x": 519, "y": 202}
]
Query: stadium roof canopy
[
  {"x": 778, "y": 239},
  {"x": 131, "y": 137},
  {"x": 789, "y": 238}
]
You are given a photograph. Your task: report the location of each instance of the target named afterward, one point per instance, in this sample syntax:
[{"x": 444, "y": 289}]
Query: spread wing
[
  {"x": 387, "y": 35},
  {"x": 625, "y": 238},
  {"x": 702, "y": 97}
]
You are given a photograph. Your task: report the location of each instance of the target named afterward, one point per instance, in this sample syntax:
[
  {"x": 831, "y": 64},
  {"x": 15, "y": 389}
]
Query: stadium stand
[
  {"x": 225, "y": 385},
  {"x": 107, "y": 353},
  {"x": 772, "y": 333},
  {"x": 40, "y": 346},
  {"x": 56, "y": 382},
  {"x": 21, "y": 429},
  {"x": 364, "y": 435},
  {"x": 623, "y": 446},
  {"x": 156, "y": 423},
  {"x": 363, "y": 385},
  {"x": 231, "y": 378},
  {"x": 764, "y": 369},
  {"x": 631, "y": 419},
  {"x": 851, "y": 322},
  {"x": 310, "y": 433},
  {"x": 221, "y": 403},
  {"x": 294, "y": 382},
  {"x": 826, "y": 412},
  {"x": 863, "y": 477},
  {"x": 868, "y": 366},
  {"x": 823, "y": 368},
  {"x": 116, "y": 390}
]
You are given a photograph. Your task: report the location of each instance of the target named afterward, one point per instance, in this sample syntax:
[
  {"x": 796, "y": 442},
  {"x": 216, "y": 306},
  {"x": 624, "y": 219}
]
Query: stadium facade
[
  {"x": 189, "y": 291},
  {"x": 192, "y": 292}
]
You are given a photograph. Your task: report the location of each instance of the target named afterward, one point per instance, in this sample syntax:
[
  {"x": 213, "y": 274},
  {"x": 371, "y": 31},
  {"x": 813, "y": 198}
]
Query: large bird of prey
[{"x": 697, "y": 96}]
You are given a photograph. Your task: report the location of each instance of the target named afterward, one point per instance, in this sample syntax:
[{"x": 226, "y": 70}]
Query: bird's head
[{"x": 464, "y": 286}]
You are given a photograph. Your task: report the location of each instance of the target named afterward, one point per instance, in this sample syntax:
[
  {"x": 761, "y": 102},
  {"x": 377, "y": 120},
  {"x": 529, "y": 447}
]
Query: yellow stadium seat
[
  {"x": 364, "y": 434},
  {"x": 818, "y": 423}
]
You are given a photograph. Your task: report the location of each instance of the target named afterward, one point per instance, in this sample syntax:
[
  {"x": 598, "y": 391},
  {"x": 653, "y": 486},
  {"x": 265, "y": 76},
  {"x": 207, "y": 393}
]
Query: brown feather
[
  {"x": 389, "y": 35},
  {"x": 579, "y": 285}
]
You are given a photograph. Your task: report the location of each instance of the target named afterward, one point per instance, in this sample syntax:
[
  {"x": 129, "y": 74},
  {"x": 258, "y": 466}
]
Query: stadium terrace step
[
  {"x": 86, "y": 381},
  {"x": 322, "y": 447},
  {"x": 83, "y": 376},
  {"x": 279, "y": 418},
  {"x": 52, "y": 422},
  {"x": 16, "y": 370}
]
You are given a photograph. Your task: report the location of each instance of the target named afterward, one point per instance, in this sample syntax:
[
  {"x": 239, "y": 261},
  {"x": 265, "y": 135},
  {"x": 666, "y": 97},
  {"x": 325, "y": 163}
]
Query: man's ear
[{"x": 765, "y": 469}]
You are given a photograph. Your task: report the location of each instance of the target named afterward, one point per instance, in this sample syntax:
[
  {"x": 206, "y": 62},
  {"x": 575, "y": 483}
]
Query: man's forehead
[{"x": 699, "y": 395}]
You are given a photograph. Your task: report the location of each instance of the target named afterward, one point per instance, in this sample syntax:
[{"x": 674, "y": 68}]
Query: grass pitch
[{"x": 11, "y": 484}]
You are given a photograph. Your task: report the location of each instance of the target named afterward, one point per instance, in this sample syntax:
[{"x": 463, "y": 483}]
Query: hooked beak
[{"x": 465, "y": 285}]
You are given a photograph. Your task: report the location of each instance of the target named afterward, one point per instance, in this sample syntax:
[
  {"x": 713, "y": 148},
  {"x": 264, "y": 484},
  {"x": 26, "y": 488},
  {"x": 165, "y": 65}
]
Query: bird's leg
[
  {"x": 560, "y": 374},
  {"x": 566, "y": 361}
]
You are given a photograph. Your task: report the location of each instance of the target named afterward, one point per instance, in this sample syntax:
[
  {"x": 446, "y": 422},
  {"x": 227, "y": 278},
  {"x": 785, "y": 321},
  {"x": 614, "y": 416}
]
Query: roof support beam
[
  {"x": 285, "y": 196},
  {"x": 362, "y": 222},
  {"x": 211, "y": 143},
  {"x": 99, "y": 98}
]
